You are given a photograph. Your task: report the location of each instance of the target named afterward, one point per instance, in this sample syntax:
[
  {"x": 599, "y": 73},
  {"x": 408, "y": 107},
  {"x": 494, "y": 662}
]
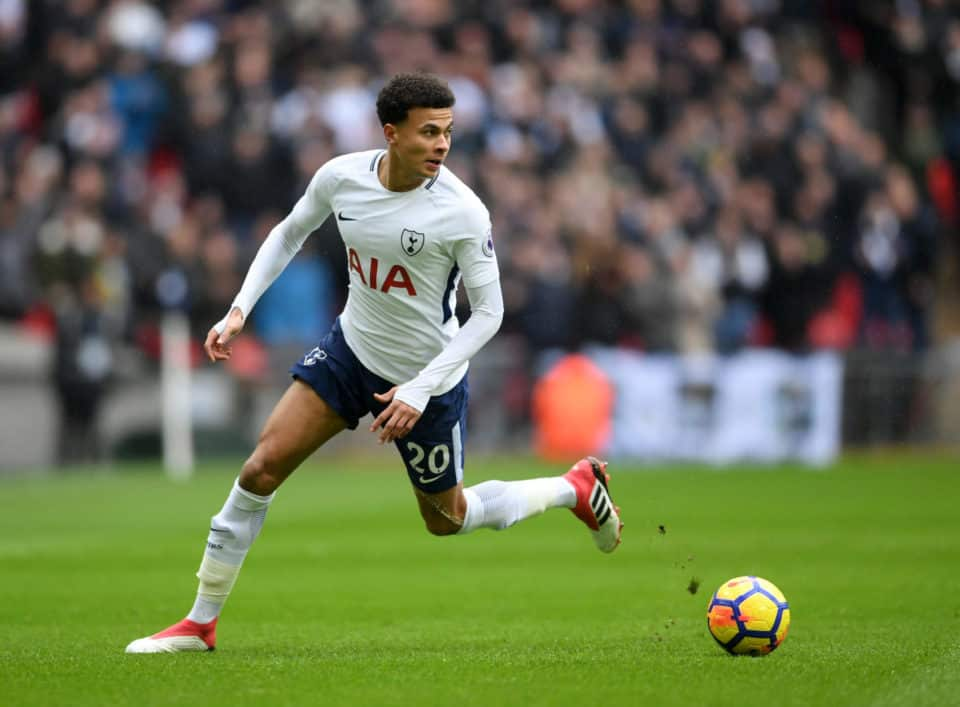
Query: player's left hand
[{"x": 396, "y": 420}]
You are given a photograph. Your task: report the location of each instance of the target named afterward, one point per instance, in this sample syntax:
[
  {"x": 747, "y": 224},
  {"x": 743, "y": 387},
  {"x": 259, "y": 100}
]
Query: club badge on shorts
[{"x": 317, "y": 354}]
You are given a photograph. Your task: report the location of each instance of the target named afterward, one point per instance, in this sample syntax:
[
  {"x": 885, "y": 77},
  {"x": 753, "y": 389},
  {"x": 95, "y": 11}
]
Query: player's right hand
[{"x": 217, "y": 344}]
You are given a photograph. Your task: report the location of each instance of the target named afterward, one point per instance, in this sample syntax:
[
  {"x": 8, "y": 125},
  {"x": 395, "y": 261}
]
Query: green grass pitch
[{"x": 345, "y": 600}]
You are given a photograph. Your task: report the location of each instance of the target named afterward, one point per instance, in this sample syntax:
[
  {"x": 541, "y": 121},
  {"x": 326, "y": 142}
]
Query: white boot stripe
[{"x": 597, "y": 492}]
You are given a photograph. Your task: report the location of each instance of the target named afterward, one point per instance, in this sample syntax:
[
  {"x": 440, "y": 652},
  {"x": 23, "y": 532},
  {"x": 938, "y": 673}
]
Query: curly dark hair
[{"x": 406, "y": 91}]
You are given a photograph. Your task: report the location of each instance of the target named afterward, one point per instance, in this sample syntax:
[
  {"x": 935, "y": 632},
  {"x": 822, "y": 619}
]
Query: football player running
[{"x": 412, "y": 232}]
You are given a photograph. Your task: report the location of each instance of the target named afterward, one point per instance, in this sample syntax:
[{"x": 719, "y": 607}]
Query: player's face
[{"x": 422, "y": 141}]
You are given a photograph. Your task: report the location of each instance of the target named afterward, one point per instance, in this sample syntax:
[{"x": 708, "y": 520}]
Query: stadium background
[
  {"x": 668, "y": 179},
  {"x": 675, "y": 176}
]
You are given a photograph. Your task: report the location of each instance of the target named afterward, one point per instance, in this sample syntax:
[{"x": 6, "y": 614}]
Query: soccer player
[{"x": 412, "y": 231}]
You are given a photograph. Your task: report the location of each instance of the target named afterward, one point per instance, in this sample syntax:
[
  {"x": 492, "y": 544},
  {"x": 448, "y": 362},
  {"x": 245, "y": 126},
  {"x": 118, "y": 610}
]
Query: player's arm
[
  {"x": 407, "y": 402},
  {"x": 473, "y": 253},
  {"x": 283, "y": 242},
  {"x": 486, "y": 315}
]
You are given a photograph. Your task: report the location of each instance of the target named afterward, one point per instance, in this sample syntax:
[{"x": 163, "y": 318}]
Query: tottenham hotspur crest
[{"x": 411, "y": 241}]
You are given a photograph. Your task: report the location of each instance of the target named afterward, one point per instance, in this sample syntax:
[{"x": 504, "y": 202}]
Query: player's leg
[
  {"x": 300, "y": 423},
  {"x": 434, "y": 456},
  {"x": 443, "y": 512},
  {"x": 491, "y": 504},
  {"x": 500, "y": 504}
]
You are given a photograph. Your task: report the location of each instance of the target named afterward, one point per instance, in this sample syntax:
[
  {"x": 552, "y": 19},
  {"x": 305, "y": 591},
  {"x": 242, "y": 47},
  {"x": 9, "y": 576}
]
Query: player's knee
[
  {"x": 258, "y": 475},
  {"x": 439, "y": 525},
  {"x": 441, "y": 521},
  {"x": 442, "y": 514}
]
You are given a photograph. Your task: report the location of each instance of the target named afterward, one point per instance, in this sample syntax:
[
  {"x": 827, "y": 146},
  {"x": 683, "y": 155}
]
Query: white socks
[
  {"x": 232, "y": 532},
  {"x": 500, "y": 504},
  {"x": 491, "y": 504}
]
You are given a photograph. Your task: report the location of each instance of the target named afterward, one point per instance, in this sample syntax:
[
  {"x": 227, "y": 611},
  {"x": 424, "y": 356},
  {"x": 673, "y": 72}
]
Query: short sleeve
[{"x": 474, "y": 249}]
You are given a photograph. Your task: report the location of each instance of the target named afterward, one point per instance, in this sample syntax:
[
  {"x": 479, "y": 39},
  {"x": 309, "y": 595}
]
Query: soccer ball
[{"x": 748, "y": 616}]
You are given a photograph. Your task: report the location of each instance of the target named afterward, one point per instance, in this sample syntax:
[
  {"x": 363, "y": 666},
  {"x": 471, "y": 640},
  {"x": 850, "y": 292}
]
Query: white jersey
[{"x": 406, "y": 253}]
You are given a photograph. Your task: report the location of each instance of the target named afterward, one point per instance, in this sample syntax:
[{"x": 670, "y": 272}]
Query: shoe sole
[{"x": 169, "y": 644}]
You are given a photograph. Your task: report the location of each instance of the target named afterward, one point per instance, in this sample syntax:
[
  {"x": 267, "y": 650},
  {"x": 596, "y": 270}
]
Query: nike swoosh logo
[
  {"x": 430, "y": 481},
  {"x": 345, "y": 218},
  {"x": 219, "y": 530}
]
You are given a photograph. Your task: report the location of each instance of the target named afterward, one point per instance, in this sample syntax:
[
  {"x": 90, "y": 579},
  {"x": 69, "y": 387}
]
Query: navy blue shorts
[{"x": 433, "y": 449}]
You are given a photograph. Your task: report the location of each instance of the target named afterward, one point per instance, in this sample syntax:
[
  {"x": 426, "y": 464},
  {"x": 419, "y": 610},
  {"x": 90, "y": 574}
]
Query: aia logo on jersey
[
  {"x": 411, "y": 241},
  {"x": 397, "y": 276}
]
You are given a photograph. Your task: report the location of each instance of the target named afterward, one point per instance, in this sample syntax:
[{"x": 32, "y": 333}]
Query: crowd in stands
[{"x": 668, "y": 175}]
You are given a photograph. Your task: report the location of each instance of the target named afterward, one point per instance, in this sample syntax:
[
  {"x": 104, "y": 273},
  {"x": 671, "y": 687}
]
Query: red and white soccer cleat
[
  {"x": 594, "y": 507},
  {"x": 183, "y": 637}
]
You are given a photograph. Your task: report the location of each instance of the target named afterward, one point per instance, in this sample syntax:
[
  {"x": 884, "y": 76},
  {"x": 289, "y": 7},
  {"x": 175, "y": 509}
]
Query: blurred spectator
[
  {"x": 82, "y": 366},
  {"x": 138, "y": 98},
  {"x": 256, "y": 177},
  {"x": 799, "y": 287},
  {"x": 732, "y": 265},
  {"x": 299, "y": 307},
  {"x": 13, "y": 33},
  {"x": 895, "y": 252}
]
